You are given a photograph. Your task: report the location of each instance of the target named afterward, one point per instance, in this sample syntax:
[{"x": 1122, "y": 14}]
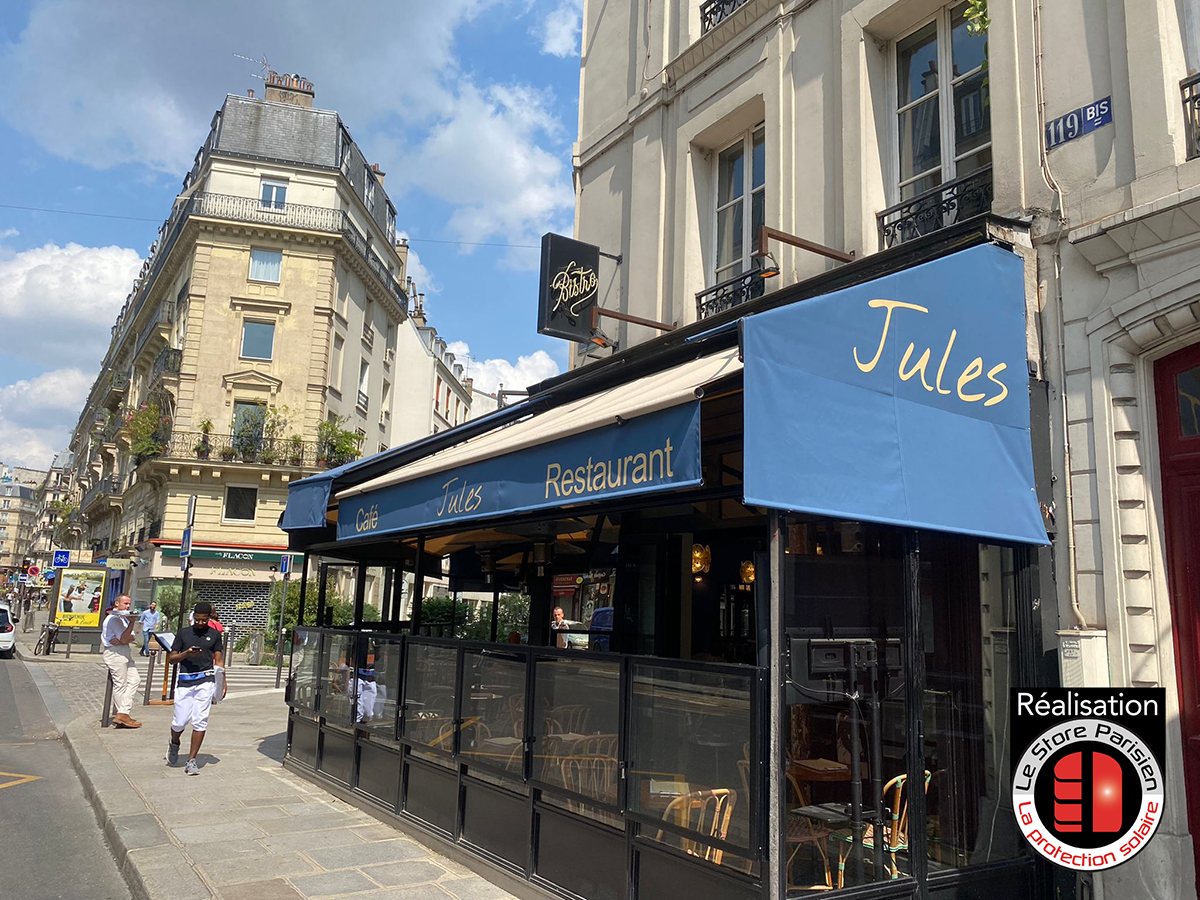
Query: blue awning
[
  {"x": 307, "y": 501},
  {"x": 903, "y": 401}
]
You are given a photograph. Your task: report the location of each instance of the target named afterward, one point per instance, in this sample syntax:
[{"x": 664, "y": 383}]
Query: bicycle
[{"x": 45, "y": 642}]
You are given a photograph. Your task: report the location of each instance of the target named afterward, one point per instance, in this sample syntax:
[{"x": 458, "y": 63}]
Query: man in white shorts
[{"x": 197, "y": 649}]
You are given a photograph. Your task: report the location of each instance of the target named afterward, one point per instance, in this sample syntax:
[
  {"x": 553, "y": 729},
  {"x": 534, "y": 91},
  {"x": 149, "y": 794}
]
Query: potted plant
[
  {"x": 149, "y": 431},
  {"x": 247, "y": 437},
  {"x": 203, "y": 447},
  {"x": 295, "y": 450},
  {"x": 227, "y": 452}
]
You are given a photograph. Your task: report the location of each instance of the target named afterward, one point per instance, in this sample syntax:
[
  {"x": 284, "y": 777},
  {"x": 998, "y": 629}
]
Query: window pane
[
  {"x": 759, "y": 173},
  {"x": 968, "y": 49},
  {"x": 757, "y": 215},
  {"x": 379, "y": 684},
  {"x": 240, "y": 503},
  {"x": 1189, "y": 402},
  {"x": 968, "y": 595},
  {"x": 274, "y": 195},
  {"x": 429, "y": 696},
  {"x": 729, "y": 235},
  {"x": 690, "y": 752},
  {"x": 910, "y": 190},
  {"x": 492, "y": 730},
  {"x": 258, "y": 338},
  {"x": 916, "y": 65},
  {"x": 337, "y": 683},
  {"x": 730, "y": 177},
  {"x": 976, "y": 160},
  {"x": 920, "y": 139},
  {"x": 265, "y": 265},
  {"x": 843, "y": 594},
  {"x": 972, "y": 114},
  {"x": 306, "y": 656}
]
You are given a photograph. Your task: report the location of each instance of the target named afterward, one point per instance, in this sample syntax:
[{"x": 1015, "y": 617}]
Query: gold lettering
[
  {"x": 581, "y": 485},
  {"x": 568, "y": 479},
  {"x": 659, "y": 454},
  {"x": 552, "y": 480},
  {"x": 639, "y": 465},
  {"x": 889, "y": 305},
  {"x": 973, "y": 370},
  {"x": 670, "y": 472},
  {"x": 992, "y": 373},
  {"x": 919, "y": 367},
  {"x": 601, "y": 472},
  {"x": 446, "y": 496},
  {"x": 945, "y": 359}
]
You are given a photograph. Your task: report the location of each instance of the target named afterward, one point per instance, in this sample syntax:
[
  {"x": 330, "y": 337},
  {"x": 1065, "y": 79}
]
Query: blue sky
[{"x": 468, "y": 105}]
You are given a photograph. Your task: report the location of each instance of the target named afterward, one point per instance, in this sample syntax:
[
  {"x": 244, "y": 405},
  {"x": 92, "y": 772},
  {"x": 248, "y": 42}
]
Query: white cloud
[
  {"x": 489, "y": 374},
  {"x": 36, "y": 416},
  {"x": 485, "y": 157},
  {"x": 8, "y": 232},
  {"x": 59, "y": 303},
  {"x": 559, "y": 29}
]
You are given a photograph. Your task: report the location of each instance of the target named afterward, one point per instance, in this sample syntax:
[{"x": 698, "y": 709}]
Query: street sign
[
  {"x": 1079, "y": 122},
  {"x": 62, "y": 559},
  {"x": 119, "y": 563},
  {"x": 285, "y": 563},
  {"x": 185, "y": 549},
  {"x": 23, "y": 579},
  {"x": 32, "y": 571},
  {"x": 191, "y": 520}
]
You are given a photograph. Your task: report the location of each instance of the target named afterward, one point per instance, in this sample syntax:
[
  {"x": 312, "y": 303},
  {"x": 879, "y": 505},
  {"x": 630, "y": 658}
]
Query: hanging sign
[{"x": 569, "y": 287}]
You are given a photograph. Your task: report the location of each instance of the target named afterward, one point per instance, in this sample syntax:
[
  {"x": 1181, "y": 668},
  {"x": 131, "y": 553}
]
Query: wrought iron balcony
[
  {"x": 944, "y": 205},
  {"x": 1190, "y": 88},
  {"x": 252, "y": 209},
  {"x": 166, "y": 363},
  {"x": 246, "y": 447},
  {"x": 714, "y": 12},
  {"x": 105, "y": 487},
  {"x": 364, "y": 402},
  {"x": 118, "y": 386},
  {"x": 368, "y": 334},
  {"x": 730, "y": 293}
]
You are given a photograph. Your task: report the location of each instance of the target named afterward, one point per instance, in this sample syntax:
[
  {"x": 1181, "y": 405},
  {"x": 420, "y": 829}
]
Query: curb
[{"x": 158, "y": 871}]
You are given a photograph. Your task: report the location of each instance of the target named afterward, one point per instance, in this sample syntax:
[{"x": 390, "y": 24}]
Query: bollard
[
  {"x": 70, "y": 637},
  {"x": 149, "y": 678},
  {"x": 106, "y": 714}
]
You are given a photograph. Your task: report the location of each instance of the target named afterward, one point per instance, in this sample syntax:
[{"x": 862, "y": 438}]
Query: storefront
[
  {"x": 798, "y": 548},
  {"x": 235, "y": 579}
]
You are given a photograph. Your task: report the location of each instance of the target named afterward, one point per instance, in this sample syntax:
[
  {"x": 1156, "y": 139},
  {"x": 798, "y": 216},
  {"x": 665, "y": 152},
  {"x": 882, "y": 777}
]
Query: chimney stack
[
  {"x": 378, "y": 173},
  {"x": 250, "y": 93},
  {"x": 290, "y": 89},
  {"x": 418, "y": 313}
]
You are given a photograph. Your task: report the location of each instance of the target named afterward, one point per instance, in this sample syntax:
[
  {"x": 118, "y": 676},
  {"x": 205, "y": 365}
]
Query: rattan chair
[
  {"x": 895, "y": 831},
  {"x": 705, "y": 813}
]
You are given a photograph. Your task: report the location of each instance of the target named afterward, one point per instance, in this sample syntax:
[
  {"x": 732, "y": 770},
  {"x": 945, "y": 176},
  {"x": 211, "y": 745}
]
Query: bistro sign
[
  {"x": 569, "y": 287},
  {"x": 657, "y": 451}
]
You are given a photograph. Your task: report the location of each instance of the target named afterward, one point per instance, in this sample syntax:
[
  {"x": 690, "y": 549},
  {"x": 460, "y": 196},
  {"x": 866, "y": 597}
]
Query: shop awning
[
  {"x": 903, "y": 401},
  {"x": 638, "y": 437}
]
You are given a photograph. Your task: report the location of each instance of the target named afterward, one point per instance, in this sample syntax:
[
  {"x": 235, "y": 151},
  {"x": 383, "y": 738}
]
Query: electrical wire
[{"x": 97, "y": 215}]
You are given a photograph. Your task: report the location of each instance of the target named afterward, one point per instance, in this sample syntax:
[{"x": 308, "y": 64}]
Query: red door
[{"x": 1177, "y": 390}]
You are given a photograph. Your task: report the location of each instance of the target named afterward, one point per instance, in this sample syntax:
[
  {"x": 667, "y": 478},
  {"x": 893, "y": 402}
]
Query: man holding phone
[{"x": 197, "y": 649}]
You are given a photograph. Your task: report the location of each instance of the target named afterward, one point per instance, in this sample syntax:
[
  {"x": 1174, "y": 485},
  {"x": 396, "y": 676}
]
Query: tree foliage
[{"x": 512, "y": 615}]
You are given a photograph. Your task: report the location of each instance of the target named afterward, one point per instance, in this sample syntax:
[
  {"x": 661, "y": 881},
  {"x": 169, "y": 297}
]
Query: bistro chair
[
  {"x": 589, "y": 776},
  {"x": 516, "y": 709},
  {"x": 895, "y": 832},
  {"x": 703, "y": 812},
  {"x": 803, "y": 830},
  {"x": 568, "y": 719}
]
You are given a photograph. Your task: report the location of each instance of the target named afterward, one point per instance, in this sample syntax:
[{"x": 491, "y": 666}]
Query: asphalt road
[{"x": 50, "y": 844}]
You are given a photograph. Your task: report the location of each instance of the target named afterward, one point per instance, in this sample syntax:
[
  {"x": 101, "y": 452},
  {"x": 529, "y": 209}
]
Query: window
[
  {"x": 437, "y": 393},
  {"x": 343, "y": 291},
  {"x": 336, "y": 362},
  {"x": 240, "y": 503},
  {"x": 248, "y": 418},
  {"x": 391, "y": 226},
  {"x": 737, "y": 227},
  {"x": 368, "y": 189},
  {"x": 265, "y": 265},
  {"x": 258, "y": 339},
  {"x": 457, "y": 402},
  {"x": 274, "y": 194},
  {"x": 364, "y": 382},
  {"x": 943, "y": 131},
  {"x": 385, "y": 400},
  {"x": 344, "y": 145}
]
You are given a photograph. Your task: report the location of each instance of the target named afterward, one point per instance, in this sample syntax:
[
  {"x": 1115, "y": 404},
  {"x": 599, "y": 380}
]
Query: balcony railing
[
  {"x": 164, "y": 316},
  {"x": 246, "y": 448},
  {"x": 368, "y": 334},
  {"x": 363, "y": 401},
  {"x": 104, "y": 487},
  {"x": 730, "y": 293},
  {"x": 166, "y": 363},
  {"x": 714, "y": 12},
  {"x": 944, "y": 205},
  {"x": 1190, "y": 87},
  {"x": 253, "y": 209}
]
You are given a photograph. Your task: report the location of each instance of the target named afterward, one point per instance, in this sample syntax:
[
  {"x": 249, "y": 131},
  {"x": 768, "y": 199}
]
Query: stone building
[
  {"x": 865, "y": 127},
  {"x": 54, "y": 501},
  {"x": 256, "y": 347}
]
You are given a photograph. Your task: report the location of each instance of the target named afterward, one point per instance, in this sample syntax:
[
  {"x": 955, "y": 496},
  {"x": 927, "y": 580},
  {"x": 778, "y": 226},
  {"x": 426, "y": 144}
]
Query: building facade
[
  {"x": 54, "y": 502},
  {"x": 19, "y": 513},
  {"x": 437, "y": 394},
  {"x": 863, "y": 126},
  {"x": 256, "y": 347}
]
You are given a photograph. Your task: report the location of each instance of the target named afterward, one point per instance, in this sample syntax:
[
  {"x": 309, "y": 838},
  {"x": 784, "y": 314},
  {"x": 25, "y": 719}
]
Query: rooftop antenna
[{"x": 266, "y": 66}]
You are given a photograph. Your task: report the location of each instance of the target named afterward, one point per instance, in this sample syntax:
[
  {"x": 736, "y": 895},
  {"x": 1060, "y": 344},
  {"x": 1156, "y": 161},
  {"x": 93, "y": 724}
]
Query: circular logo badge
[{"x": 1088, "y": 794}]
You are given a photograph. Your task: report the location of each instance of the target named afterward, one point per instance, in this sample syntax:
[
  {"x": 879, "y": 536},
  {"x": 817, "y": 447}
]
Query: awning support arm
[{"x": 765, "y": 233}]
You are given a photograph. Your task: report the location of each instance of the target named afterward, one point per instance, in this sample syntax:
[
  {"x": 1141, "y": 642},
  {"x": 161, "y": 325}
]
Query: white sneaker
[{"x": 191, "y": 768}]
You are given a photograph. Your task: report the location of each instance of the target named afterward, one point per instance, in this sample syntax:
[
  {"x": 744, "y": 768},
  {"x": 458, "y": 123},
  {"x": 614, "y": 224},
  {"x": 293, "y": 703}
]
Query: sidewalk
[{"x": 245, "y": 828}]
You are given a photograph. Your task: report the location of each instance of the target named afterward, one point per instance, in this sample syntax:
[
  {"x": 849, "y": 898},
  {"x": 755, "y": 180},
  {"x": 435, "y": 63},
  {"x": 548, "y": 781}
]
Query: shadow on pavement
[{"x": 274, "y": 746}]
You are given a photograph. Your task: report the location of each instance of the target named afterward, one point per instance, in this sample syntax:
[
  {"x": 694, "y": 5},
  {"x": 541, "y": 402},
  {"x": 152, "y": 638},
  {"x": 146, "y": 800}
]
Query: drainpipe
[{"x": 1059, "y": 316}]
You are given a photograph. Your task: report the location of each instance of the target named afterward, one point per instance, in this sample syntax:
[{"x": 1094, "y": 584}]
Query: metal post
[
  {"x": 776, "y": 876},
  {"x": 914, "y": 696},
  {"x": 106, "y": 712},
  {"x": 418, "y": 593},
  {"x": 149, "y": 678},
  {"x": 385, "y": 610},
  {"x": 303, "y": 589},
  {"x": 495, "y": 610},
  {"x": 183, "y": 592},
  {"x": 279, "y": 636},
  {"x": 70, "y": 638},
  {"x": 360, "y": 592},
  {"x": 323, "y": 573},
  {"x": 857, "y": 826}
]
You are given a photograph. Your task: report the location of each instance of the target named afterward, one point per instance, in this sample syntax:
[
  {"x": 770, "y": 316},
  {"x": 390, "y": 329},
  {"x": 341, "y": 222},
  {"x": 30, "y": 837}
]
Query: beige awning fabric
[{"x": 636, "y": 398}]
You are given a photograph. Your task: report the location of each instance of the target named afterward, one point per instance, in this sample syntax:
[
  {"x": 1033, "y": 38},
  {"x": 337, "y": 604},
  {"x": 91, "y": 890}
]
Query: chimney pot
[{"x": 250, "y": 93}]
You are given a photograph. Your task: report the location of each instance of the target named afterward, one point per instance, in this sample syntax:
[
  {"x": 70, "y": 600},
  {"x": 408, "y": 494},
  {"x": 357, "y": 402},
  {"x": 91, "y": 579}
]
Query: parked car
[
  {"x": 8, "y": 633},
  {"x": 601, "y": 628}
]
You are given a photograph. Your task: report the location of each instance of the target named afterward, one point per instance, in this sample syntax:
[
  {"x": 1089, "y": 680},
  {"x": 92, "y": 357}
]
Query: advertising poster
[{"x": 80, "y": 597}]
